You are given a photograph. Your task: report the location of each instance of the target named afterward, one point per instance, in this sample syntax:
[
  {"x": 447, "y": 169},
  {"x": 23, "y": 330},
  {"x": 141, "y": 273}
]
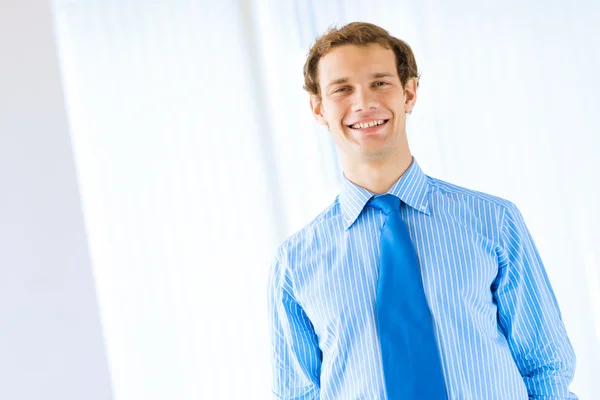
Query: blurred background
[{"x": 154, "y": 154}]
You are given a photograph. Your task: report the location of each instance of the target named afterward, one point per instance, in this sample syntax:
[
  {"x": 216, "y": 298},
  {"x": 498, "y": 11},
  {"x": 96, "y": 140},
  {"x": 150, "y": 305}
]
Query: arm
[
  {"x": 296, "y": 357},
  {"x": 529, "y": 316}
]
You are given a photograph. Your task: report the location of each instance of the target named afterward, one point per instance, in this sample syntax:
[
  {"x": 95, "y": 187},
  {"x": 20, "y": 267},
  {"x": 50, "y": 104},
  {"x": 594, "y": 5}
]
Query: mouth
[{"x": 368, "y": 126}]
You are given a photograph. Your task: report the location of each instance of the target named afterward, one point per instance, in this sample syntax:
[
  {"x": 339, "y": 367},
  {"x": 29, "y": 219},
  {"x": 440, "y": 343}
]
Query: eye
[
  {"x": 340, "y": 90},
  {"x": 381, "y": 83}
]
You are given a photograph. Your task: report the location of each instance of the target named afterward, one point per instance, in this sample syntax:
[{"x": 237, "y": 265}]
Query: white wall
[
  {"x": 176, "y": 192},
  {"x": 51, "y": 344}
]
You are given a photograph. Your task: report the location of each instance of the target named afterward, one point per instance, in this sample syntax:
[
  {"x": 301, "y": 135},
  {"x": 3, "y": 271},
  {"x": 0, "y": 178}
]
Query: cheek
[
  {"x": 336, "y": 119},
  {"x": 397, "y": 108},
  {"x": 335, "y": 111}
]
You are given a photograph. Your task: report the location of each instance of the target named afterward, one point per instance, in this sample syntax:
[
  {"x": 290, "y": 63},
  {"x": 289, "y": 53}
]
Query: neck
[{"x": 378, "y": 177}]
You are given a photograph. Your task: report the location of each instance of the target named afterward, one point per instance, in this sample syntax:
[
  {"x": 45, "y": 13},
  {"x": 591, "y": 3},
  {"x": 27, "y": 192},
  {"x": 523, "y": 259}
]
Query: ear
[
  {"x": 410, "y": 94},
  {"x": 316, "y": 107}
]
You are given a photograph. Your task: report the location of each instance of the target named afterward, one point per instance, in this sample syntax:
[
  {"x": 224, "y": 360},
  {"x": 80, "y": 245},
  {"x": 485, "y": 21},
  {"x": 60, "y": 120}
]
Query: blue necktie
[{"x": 411, "y": 361}]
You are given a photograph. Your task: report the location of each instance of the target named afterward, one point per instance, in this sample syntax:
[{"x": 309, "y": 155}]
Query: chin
[{"x": 369, "y": 155}]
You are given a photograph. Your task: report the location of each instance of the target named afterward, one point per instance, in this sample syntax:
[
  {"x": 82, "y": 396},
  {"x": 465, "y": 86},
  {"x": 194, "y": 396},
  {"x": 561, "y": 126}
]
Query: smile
[{"x": 370, "y": 124}]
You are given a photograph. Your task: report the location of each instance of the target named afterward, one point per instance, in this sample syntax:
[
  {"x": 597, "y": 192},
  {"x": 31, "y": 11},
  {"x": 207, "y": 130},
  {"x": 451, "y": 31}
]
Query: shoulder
[
  {"x": 310, "y": 236},
  {"x": 490, "y": 215},
  {"x": 471, "y": 198},
  {"x": 307, "y": 243}
]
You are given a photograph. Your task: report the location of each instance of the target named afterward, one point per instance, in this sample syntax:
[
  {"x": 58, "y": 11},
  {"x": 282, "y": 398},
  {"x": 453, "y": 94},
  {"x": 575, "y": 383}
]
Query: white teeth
[{"x": 367, "y": 125}]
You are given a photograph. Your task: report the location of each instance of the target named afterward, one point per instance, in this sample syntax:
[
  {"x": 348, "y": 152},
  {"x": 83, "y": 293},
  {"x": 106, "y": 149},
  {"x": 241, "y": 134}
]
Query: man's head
[{"x": 360, "y": 75}]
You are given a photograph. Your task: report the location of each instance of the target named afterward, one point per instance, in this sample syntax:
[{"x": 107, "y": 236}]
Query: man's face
[{"x": 363, "y": 102}]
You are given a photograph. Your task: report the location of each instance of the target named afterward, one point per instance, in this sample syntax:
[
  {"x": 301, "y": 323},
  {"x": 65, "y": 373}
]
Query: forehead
[{"x": 355, "y": 62}]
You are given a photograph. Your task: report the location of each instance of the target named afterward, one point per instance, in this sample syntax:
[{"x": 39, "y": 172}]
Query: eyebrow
[{"x": 374, "y": 76}]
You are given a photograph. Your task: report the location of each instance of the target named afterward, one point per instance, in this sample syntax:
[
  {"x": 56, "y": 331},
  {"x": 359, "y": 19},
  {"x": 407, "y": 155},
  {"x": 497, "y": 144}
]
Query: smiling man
[{"x": 406, "y": 287}]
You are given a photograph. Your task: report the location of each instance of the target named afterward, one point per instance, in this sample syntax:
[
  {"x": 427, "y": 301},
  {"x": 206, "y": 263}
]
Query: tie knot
[{"x": 386, "y": 203}]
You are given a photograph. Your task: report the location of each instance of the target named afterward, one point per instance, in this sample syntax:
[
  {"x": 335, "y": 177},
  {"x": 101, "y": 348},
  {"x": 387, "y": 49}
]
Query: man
[{"x": 406, "y": 287}]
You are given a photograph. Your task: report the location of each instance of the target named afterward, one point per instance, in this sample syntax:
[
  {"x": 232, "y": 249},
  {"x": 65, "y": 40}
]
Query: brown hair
[{"x": 361, "y": 34}]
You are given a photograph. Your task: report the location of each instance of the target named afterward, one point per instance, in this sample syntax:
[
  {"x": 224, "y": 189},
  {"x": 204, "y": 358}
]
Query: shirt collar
[{"x": 411, "y": 188}]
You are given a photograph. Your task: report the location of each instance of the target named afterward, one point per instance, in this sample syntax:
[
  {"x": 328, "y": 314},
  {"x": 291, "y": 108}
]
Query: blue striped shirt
[{"x": 498, "y": 325}]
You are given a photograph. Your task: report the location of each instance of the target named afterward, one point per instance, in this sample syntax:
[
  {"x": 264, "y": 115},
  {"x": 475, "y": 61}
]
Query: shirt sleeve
[
  {"x": 296, "y": 356},
  {"x": 529, "y": 315}
]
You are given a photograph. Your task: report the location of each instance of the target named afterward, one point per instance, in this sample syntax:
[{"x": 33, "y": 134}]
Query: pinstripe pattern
[{"x": 498, "y": 325}]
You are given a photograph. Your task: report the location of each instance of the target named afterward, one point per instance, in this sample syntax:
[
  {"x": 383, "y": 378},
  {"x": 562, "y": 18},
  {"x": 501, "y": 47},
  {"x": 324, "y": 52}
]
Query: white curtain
[{"x": 197, "y": 156}]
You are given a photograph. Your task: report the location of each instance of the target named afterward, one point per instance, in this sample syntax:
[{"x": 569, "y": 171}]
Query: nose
[{"x": 364, "y": 100}]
